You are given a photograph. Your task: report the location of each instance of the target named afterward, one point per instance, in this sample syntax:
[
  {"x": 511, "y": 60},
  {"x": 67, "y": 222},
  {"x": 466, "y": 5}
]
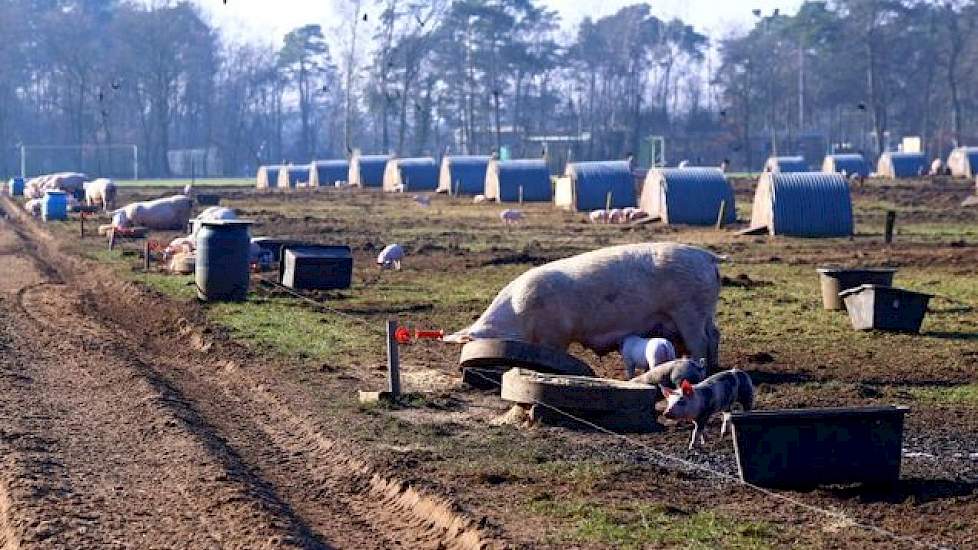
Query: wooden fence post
[{"x": 393, "y": 361}]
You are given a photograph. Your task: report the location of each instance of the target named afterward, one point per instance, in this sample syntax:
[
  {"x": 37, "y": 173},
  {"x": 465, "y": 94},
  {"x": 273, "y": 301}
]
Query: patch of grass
[
  {"x": 288, "y": 328},
  {"x": 956, "y": 395},
  {"x": 629, "y": 525}
]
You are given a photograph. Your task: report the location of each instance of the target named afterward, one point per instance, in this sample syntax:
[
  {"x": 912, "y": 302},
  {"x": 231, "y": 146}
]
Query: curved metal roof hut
[
  {"x": 463, "y": 175},
  {"x": 963, "y": 162},
  {"x": 367, "y": 170},
  {"x": 413, "y": 174},
  {"x": 290, "y": 177},
  {"x": 809, "y": 204},
  {"x": 589, "y": 185},
  {"x": 847, "y": 164},
  {"x": 325, "y": 173},
  {"x": 267, "y": 177},
  {"x": 688, "y": 196},
  {"x": 786, "y": 164},
  {"x": 901, "y": 165},
  {"x": 509, "y": 180}
]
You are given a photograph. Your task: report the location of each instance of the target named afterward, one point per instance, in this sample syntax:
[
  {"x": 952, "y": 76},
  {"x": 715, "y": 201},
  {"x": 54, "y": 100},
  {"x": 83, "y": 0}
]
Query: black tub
[
  {"x": 805, "y": 448},
  {"x": 874, "y": 307},
  {"x": 834, "y": 280}
]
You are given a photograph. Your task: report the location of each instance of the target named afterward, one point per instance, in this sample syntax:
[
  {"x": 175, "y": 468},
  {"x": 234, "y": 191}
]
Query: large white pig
[
  {"x": 100, "y": 192},
  {"x": 166, "y": 213},
  {"x": 601, "y": 297}
]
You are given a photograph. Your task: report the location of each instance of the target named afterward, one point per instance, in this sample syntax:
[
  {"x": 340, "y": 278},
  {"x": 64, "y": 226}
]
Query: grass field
[
  {"x": 557, "y": 487},
  {"x": 180, "y": 182}
]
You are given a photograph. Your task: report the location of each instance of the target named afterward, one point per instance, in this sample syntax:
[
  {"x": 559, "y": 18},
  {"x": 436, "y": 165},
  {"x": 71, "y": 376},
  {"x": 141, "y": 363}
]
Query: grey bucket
[
  {"x": 223, "y": 252},
  {"x": 834, "y": 280},
  {"x": 805, "y": 448},
  {"x": 875, "y": 307}
]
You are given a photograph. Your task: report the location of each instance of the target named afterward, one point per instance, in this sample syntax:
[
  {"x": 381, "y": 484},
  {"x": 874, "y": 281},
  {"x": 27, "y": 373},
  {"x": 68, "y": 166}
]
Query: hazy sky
[{"x": 269, "y": 20}]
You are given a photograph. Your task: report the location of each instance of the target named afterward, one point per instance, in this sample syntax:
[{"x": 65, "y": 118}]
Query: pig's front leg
[{"x": 696, "y": 434}]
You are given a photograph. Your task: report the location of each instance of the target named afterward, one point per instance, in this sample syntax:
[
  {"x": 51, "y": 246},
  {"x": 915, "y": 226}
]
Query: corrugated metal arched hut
[
  {"x": 786, "y": 164},
  {"x": 587, "y": 185},
  {"x": 963, "y": 162},
  {"x": 901, "y": 165},
  {"x": 368, "y": 170},
  {"x": 290, "y": 177},
  {"x": 505, "y": 179},
  {"x": 463, "y": 175},
  {"x": 413, "y": 174},
  {"x": 325, "y": 173},
  {"x": 849, "y": 164},
  {"x": 268, "y": 176},
  {"x": 808, "y": 204},
  {"x": 688, "y": 196}
]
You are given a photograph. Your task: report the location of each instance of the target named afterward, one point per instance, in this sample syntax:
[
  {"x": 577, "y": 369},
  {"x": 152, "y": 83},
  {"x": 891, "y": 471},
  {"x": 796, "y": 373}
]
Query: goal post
[{"x": 119, "y": 161}]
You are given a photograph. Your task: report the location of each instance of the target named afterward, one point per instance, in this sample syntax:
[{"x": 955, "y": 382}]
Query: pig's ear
[
  {"x": 687, "y": 388},
  {"x": 666, "y": 391}
]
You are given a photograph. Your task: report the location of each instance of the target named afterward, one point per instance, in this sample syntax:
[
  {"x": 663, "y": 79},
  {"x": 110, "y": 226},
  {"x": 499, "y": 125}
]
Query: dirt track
[{"x": 125, "y": 424}]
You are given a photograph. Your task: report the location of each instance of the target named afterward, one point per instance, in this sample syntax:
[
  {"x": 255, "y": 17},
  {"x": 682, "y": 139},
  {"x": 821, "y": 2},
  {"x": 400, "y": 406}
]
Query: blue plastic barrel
[
  {"x": 16, "y": 186},
  {"x": 222, "y": 269},
  {"x": 54, "y": 205}
]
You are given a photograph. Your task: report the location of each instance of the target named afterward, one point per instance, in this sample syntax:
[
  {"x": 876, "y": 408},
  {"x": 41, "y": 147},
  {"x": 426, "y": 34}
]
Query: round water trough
[
  {"x": 483, "y": 362},
  {"x": 836, "y": 279}
]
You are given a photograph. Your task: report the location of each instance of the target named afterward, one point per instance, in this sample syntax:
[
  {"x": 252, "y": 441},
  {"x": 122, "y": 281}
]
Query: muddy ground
[{"x": 241, "y": 427}]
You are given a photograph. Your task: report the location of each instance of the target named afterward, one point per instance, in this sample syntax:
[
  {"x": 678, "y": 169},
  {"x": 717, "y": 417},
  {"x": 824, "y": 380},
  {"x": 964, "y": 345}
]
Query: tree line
[{"x": 475, "y": 76}]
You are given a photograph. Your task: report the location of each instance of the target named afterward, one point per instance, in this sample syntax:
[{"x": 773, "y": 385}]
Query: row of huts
[
  {"x": 811, "y": 204},
  {"x": 962, "y": 162}
]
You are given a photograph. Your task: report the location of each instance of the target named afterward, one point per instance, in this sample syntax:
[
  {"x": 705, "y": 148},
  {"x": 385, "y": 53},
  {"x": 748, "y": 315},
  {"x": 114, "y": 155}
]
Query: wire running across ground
[{"x": 840, "y": 516}]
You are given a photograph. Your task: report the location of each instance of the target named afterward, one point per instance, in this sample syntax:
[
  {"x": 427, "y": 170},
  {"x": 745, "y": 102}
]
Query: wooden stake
[
  {"x": 81, "y": 219},
  {"x": 890, "y": 222},
  {"x": 111, "y": 238},
  {"x": 521, "y": 194},
  {"x": 146, "y": 254},
  {"x": 393, "y": 361},
  {"x": 607, "y": 202},
  {"x": 720, "y": 216}
]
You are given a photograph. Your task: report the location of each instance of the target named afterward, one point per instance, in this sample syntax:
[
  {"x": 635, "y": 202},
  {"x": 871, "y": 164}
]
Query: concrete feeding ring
[{"x": 483, "y": 362}]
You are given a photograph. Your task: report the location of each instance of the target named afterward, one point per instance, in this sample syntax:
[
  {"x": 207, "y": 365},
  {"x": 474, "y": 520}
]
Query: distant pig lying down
[{"x": 599, "y": 298}]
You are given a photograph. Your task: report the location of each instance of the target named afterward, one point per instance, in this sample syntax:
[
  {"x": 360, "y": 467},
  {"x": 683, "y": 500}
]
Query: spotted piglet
[
  {"x": 721, "y": 392},
  {"x": 671, "y": 374}
]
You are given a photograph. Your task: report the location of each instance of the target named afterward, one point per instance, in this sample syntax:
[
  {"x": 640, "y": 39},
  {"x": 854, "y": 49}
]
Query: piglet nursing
[
  {"x": 645, "y": 353},
  {"x": 602, "y": 297}
]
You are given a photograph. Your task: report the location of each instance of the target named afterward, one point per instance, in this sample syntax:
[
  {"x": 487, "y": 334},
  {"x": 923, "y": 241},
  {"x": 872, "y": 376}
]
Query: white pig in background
[
  {"x": 598, "y": 216},
  {"x": 390, "y": 257},
  {"x": 722, "y": 392},
  {"x": 161, "y": 214},
  {"x": 616, "y": 215},
  {"x": 599, "y": 298},
  {"x": 645, "y": 353},
  {"x": 34, "y": 207},
  {"x": 479, "y": 199},
  {"x": 100, "y": 192}
]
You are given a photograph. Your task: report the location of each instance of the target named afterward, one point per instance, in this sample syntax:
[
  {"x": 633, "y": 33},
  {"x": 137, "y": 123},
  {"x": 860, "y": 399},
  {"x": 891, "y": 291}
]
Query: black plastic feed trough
[
  {"x": 836, "y": 279},
  {"x": 806, "y": 448},
  {"x": 316, "y": 267},
  {"x": 874, "y": 307}
]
